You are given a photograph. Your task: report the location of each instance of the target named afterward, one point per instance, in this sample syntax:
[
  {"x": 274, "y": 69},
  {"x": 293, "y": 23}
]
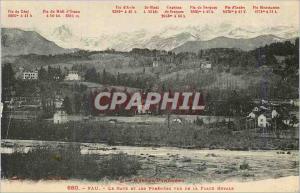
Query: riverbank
[
  {"x": 191, "y": 165},
  {"x": 284, "y": 184}
]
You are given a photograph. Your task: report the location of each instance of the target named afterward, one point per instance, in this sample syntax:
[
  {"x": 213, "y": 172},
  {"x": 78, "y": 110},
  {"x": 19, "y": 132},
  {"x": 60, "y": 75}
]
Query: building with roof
[
  {"x": 72, "y": 75},
  {"x": 60, "y": 117},
  {"x": 30, "y": 75},
  {"x": 263, "y": 120}
]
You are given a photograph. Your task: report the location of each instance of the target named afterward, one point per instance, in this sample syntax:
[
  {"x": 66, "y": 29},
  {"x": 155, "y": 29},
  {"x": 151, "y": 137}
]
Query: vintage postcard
[{"x": 150, "y": 96}]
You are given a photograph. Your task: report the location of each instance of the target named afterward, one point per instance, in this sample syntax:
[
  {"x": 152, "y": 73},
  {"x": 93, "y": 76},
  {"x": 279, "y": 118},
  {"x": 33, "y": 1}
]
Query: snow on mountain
[
  {"x": 167, "y": 38},
  {"x": 225, "y": 42},
  {"x": 62, "y": 33},
  {"x": 241, "y": 33},
  {"x": 286, "y": 32}
]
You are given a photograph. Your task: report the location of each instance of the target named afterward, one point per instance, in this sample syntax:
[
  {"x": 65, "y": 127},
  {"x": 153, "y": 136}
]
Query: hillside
[
  {"x": 225, "y": 42},
  {"x": 19, "y": 42}
]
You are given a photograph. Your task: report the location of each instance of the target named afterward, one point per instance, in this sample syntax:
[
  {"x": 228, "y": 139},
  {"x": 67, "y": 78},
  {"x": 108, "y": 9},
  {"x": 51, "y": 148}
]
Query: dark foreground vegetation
[
  {"x": 66, "y": 163},
  {"x": 176, "y": 135}
]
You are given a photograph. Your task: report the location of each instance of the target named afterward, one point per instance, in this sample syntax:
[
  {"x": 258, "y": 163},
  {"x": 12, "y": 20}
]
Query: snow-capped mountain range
[{"x": 165, "y": 39}]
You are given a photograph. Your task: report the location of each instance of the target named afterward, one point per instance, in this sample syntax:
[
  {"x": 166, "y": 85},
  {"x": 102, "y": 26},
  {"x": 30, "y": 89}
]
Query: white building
[
  {"x": 60, "y": 117},
  {"x": 58, "y": 103},
  {"x": 30, "y": 75},
  {"x": 262, "y": 121},
  {"x": 252, "y": 115},
  {"x": 274, "y": 114},
  {"x": 206, "y": 65},
  {"x": 177, "y": 120},
  {"x": 73, "y": 76},
  {"x": 155, "y": 64}
]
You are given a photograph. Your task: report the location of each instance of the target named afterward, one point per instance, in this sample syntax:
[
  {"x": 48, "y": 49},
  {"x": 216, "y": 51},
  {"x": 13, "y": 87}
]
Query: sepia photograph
[{"x": 150, "y": 96}]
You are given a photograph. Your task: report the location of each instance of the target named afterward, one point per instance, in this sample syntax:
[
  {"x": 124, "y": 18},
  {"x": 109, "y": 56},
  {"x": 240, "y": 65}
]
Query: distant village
[{"x": 61, "y": 93}]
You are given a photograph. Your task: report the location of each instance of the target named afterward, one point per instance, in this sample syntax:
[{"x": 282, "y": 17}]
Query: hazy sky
[{"x": 96, "y": 17}]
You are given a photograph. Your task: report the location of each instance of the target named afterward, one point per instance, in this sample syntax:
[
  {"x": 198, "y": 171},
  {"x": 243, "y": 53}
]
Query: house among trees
[
  {"x": 177, "y": 120},
  {"x": 206, "y": 65},
  {"x": 263, "y": 116},
  {"x": 73, "y": 75},
  {"x": 274, "y": 114},
  {"x": 263, "y": 121},
  {"x": 60, "y": 117},
  {"x": 30, "y": 75},
  {"x": 252, "y": 115}
]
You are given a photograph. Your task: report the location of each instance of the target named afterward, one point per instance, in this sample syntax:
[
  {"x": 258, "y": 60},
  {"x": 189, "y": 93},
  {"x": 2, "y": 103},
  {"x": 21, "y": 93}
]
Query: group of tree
[
  {"x": 50, "y": 74},
  {"x": 141, "y": 80},
  {"x": 78, "y": 104}
]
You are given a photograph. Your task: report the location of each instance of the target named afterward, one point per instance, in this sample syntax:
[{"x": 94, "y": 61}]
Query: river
[{"x": 193, "y": 165}]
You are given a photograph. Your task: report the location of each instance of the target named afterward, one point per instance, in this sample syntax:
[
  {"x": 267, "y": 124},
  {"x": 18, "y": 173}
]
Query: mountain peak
[
  {"x": 227, "y": 42},
  {"x": 20, "y": 42},
  {"x": 166, "y": 38},
  {"x": 62, "y": 33}
]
